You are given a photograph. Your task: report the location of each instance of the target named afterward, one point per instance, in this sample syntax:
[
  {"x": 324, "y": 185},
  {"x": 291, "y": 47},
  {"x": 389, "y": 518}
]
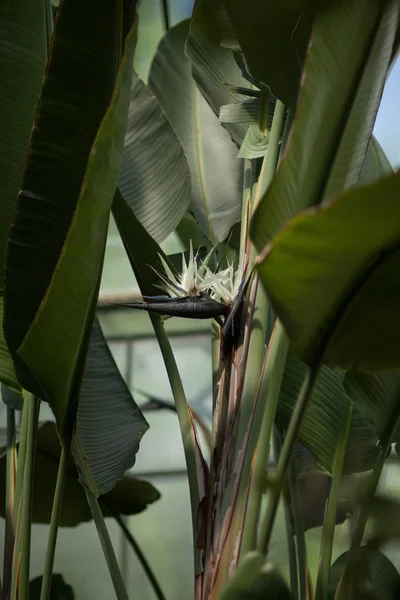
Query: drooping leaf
[
  {"x": 58, "y": 238},
  {"x": 23, "y": 51},
  {"x": 129, "y": 496},
  {"x": 333, "y": 277},
  {"x": 109, "y": 424},
  {"x": 11, "y": 398},
  {"x": 255, "y": 143},
  {"x": 323, "y": 419},
  {"x": 273, "y": 36},
  {"x": 60, "y": 590},
  {"x": 376, "y": 397},
  {"x": 215, "y": 69},
  {"x": 215, "y": 169},
  {"x": 255, "y": 579},
  {"x": 347, "y": 62},
  {"x": 155, "y": 176},
  {"x": 246, "y": 112},
  {"x": 377, "y": 575}
]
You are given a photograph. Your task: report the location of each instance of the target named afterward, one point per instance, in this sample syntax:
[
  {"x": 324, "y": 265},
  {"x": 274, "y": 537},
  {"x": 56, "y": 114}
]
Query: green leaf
[
  {"x": 333, "y": 277},
  {"x": 130, "y": 495},
  {"x": 356, "y": 136},
  {"x": 215, "y": 170},
  {"x": 11, "y": 398},
  {"x": 375, "y": 397},
  {"x": 245, "y": 112},
  {"x": 59, "y": 589},
  {"x": 255, "y": 143},
  {"x": 141, "y": 248},
  {"x": 255, "y": 579},
  {"x": 7, "y": 372},
  {"x": 323, "y": 419},
  {"x": 23, "y": 51},
  {"x": 53, "y": 261},
  {"x": 215, "y": 69},
  {"x": 109, "y": 424},
  {"x": 154, "y": 177},
  {"x": 375, "y": 165},
  {"x": 376, "y": 570},
  {"x": 347, "y": 63},
  {"x": 273, "y": 36}
]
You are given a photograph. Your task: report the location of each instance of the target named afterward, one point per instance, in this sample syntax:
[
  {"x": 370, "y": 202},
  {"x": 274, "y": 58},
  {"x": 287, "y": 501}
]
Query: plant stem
[
  {"x": 21, "y": 458},
  {"x": 55, "y": 517},
  {"x": 141, "y": 557},
  {"x": 165, "y": 12},
  {"x": 192, "y": 452},
  {"x": 106, "y": 544},
  {"x": 291, "y": 544},
  {"x": 284, "y": 459},
  {"x": 269, "y": 389},
  {"x": 271, "y": 158},
  {"x": 298, "y": 526},
  {"x": 328, "y": 530},
  {"x": 20, "y": 588},
  {"x": 10, "y": 495}
]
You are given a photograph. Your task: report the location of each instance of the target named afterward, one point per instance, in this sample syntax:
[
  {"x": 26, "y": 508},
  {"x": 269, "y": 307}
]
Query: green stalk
[
  {"x": 301, "y": 546},
  {"x": 106, "y": 544},
  {"x": 294, "y": 565},
  {"x": 55, "y": 517},
  {"x": 252, "y": 364},
  {"x": 267, "y": 522},
  {"x": 257, "y": 341},
  {"x": 185, "y": 423},
  {"x": 328, "y": 530},
  {"x": 269, "y": 389},
  {"x": 21, "y": 559},
  {"x": 21, "y": 458},
  {"x": 141, "y": 557},
  {"x": 271, "y": 158},
  {"x": 10, "y": 495},
  {"x": 246, "y": 204}
]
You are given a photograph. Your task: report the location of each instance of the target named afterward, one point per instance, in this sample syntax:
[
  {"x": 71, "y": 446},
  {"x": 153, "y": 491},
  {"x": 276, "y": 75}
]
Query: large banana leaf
[
  {"x": 57, "y": 241},
  {"x": 323, "y": 419},
  {"x": 342, "y": 82},
  {"x": 273, "y": 36},
  {"x": 23, "y": 51},
  {"x": 214, "y": 66},
  {"x": 109, "y": 424},
  {"x": 333, "y": 276},
  {"x": 374, "y": 572},
  {"x": 130, "y": 495},
  {"x": 215, "y": 170},
  {"x": 155, "y": 176},
  {"x": 376, "y": 397}
]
